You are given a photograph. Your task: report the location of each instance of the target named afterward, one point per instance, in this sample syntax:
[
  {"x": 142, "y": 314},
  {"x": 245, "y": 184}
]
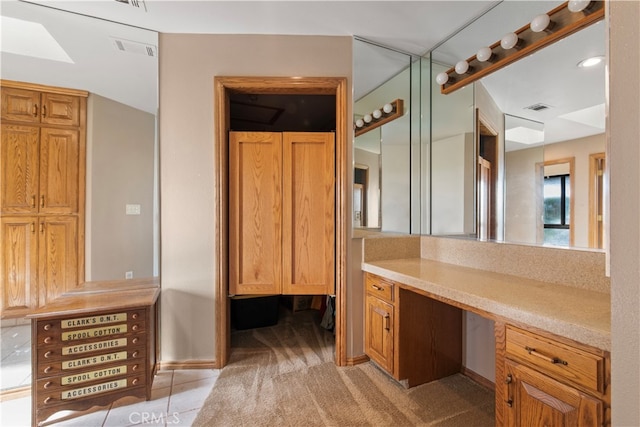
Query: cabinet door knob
[
  {"x": 44, "y": 111},
  {"x": 509, "y": 403},
  {"x": 509, "y": 379},
  {"x": 35, "y": 110}
]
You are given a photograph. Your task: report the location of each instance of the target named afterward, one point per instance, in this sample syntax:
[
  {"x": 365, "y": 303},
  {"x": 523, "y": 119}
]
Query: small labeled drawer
[
  {"x": 62, "y": 367},
  {"x": 97, "y": 374},
  {"x": 380, "y": 287},
  {"x": 55, "y": 397},
  {"x": 559, "y": 360}
]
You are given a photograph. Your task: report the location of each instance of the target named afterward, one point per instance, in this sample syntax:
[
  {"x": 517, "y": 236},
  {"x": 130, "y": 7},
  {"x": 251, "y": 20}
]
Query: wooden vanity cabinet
[
  {"x": 414, "y": 338},
  {"x": 550, "y": 382}
]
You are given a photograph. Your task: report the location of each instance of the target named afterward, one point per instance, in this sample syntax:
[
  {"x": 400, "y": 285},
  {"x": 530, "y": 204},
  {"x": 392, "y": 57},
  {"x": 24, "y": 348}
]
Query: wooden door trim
[{"x": 223, "y": 86}]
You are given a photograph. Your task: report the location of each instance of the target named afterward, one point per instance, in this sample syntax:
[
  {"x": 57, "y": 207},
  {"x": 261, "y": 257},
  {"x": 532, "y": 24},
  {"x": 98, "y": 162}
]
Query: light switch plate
[{"x": 133, "y": 209}]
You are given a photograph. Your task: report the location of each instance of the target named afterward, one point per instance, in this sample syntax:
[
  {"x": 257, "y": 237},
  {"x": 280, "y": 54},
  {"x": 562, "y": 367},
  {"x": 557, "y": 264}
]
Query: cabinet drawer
[
  {"x": 381, "y": 288},
  {"x": 117, "y": 356},
  {"x": 52, "y": 398},
  {"x": 87, "y": 348},
  {"x": 88, "y": 377},
  {"x": 559, "y": 360}
]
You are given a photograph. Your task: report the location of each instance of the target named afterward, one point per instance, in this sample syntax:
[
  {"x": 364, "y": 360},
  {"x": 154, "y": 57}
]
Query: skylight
[
  {"x": 30, "y": 39},
  {"x": 524, "y": 135}
]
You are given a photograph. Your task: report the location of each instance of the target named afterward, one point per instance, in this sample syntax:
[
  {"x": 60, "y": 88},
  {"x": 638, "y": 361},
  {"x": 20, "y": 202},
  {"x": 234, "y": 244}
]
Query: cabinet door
[
  {"x": 58, "y": 256},
  {"x": 59, "y": 171},
  {"x": 20, "y": 105},
  {"x": 19, "y": 163},
  {"x": 379, "y": 332},
  {"x": 255, "y": 212},
  {"x": 538, "y": 400},
  {"x": 60, "y": 109},
  {"x": 18, "y": 268},
  {"x": 309, "y": 213}
]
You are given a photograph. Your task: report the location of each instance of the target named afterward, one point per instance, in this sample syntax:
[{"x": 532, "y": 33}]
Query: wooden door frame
[{"x": 223, "y": 87}]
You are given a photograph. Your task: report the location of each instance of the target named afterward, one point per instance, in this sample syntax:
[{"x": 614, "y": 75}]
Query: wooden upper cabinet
[
  {"x": 281, "y": 213},
  {"x": 255, "y": 213},
  {"x": 308, "y": 213},
  {"x": 19, "y": 151},
  {"x": 30, "y": 106}
]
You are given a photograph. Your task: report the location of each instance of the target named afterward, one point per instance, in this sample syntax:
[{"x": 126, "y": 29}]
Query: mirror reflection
[{"x": 118, "y": 66}]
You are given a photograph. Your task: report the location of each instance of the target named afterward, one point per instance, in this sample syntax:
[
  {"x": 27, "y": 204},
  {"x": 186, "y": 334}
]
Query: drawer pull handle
[
  {"x": 387, "y": 322},
  {"x": 48, "y": 326},
  {"x": 509, "y": 379},
  {"x": 47, "y": 340},
  {"x": 48, "y": 354},
  {"x": 48, "y": 384},
  {"x": 554, "y": 360},
  {"x": 48, "y": 369},
  {"x": 135, "y": 327},
  {"x": 134, "y": 368},
  {"x": 135, "y": 381},
  {"x": 377, "y": 288},
  {"x": 135, "y": 354},
  {"x": 135, "y": 340},
  {"x": 509, "y": 403},
  {"x": 47, "y": 400}
]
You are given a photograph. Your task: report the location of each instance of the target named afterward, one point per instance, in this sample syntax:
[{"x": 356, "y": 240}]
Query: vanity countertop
[{"x": 578, "y": 314}]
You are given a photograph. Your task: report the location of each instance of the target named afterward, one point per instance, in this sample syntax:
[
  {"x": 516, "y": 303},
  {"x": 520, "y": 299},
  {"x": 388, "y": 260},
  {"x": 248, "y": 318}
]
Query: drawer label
[
  {"x": 94, "y": 346},
  {"x": 93, "y": 389},
  {"x": 93, "y": 320},
  {"x": 94, "y": 360},
  {"x": 94, "y": 333},
  {"x": 93, "y": 375}
]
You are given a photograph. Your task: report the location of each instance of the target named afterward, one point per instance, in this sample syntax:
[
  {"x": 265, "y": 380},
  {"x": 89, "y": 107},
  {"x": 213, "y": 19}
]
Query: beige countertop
[{"x": 578, "y": 314}]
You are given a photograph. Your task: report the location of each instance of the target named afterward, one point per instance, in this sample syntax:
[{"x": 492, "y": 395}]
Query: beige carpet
[{"x": 285, "y": 376}]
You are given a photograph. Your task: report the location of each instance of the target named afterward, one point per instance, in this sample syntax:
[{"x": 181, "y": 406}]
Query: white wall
[
  {"x": 120, "y": 171},
  {"x": 188, "y": 64},
  {"x": 372, "y": 161},
  {"x": 624, "y": 163}
]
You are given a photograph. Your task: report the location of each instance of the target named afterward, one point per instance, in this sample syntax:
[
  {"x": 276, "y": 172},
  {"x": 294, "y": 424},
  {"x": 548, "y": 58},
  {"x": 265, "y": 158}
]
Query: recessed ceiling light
[{"x": 591, "y": 62}]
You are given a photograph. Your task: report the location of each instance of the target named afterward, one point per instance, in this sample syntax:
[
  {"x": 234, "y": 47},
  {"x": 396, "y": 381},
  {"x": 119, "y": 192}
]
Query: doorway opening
[
  {"x": 487, "y": 179},
  {"x": 240, "y": 93}
]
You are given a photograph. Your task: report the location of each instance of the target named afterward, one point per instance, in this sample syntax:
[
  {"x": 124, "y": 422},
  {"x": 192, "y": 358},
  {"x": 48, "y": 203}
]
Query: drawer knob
[
  {"x": 48, "y": 354},
  {"x": 48, "y": 340},
  {"x": 554, "y": 360},
  {"x": 135, "y": 381},
  {"x": 48, "y": 369},
  {"x": 47, "y": 400},
  {"x": 48, "y": 384},
  {"x": 135, "y": 354},
  {"x": 134, "y": 368},
  {"x": 135, "y": 340},
  {"x": 134, "y": 316},
  {"x": 48, "y": 326},
  {"x": 135, "y": 327}
]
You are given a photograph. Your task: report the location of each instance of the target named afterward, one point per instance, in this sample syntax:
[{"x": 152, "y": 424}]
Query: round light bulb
[
  {"x": 442, "y": 78},
  {"x": 462, "y": 67},
  {"x": 484, "y": 54},
  {"x": 377, "y": 114},
  {"x": 578, "y": 5},
  {"x": 387, "y": 108},
  {"x": 367, "y": 118},
  {"x": 509, "y": 41},
  {"x": 359, "y": 123},
  {"x": 540, "y": 23}
]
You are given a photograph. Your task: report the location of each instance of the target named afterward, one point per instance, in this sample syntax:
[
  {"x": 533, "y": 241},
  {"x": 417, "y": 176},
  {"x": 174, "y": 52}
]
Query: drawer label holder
[
  {"x": 93, "y": 375},
  {"x": 93, "y": 320},
  {"x": 94, "y": 333},
  {"x": 93, "y": 389},
  {"x": 94, "y": 360}
]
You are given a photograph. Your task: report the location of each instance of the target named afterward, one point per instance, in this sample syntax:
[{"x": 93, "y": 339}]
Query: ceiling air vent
[
  {"x": 138, "y": 4},
  {"x": 136, "y": 48},
  {"x": 538, "y": 107}
]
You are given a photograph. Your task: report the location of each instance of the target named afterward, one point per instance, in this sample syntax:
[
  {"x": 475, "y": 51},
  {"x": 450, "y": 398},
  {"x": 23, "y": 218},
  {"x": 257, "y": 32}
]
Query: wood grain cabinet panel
[
  {"x": 19, "y": 177},
  {"x": 281, "y": 213},
  {"x": 379, "y": 318}
]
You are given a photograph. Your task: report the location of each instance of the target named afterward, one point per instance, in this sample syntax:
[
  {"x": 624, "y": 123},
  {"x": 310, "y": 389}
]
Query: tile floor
[
  {"x": 176, "y": 399},
  {"x": 15, "y": 356}
]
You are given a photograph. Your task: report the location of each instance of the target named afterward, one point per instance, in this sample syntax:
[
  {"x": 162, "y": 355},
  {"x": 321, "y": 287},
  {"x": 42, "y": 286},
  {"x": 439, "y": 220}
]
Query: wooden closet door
[
  {"x": 309, "y": 213},
  {"x": 59, "y": 170},
  {"x": 58, "y": 253},
  {"x": 255, "y": 213},
  {"x": 19, "y": 147}
]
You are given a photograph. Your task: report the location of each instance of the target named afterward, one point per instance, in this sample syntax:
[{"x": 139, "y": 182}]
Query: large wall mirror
[
  {"x": 118, "y": 66},
  {"x": 534, "y": 132}
]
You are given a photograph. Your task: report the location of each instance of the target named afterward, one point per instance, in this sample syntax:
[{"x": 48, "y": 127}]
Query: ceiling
[{"x": 411, "y": 27}]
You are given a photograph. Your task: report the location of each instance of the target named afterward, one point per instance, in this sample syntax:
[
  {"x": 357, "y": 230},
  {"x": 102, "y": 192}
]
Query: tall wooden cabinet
[
  {"x": 42, "y": 184},
  {"x": 281, "y": 213}
]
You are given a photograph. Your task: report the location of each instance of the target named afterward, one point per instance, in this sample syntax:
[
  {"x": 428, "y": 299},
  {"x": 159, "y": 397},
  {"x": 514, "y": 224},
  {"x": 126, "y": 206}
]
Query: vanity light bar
[
  {"x": 377, "y": 118},
  {"x": 544, "y": 30}
]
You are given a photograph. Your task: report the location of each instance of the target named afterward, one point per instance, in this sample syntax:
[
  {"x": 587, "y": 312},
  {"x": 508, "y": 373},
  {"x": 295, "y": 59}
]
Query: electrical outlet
[
  {"x": 132, "y": 209},
  {"x": 128, "y": 275}
]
